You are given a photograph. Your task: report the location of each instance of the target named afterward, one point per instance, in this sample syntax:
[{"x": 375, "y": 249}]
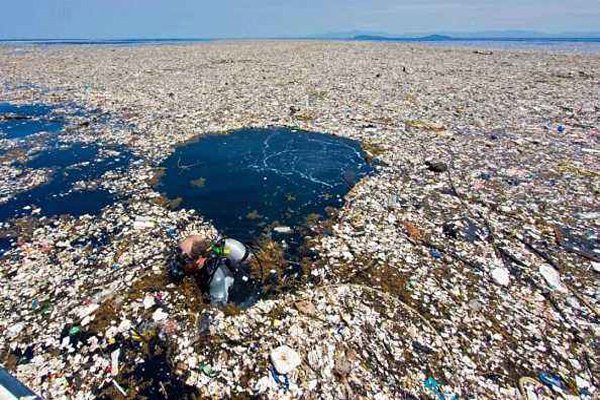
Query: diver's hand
[{"x": 200, "y": 262}]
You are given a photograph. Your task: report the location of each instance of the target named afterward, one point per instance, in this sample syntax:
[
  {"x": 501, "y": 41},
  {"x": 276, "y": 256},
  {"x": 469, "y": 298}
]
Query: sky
[{"x": 109, "y": 19}]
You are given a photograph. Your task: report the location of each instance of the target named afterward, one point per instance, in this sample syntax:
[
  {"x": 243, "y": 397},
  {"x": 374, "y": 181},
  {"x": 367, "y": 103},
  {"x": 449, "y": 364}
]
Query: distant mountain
[
  {"x": 435, "y": 38},
  {"x": 346, "y": 35},
  {"x": 429, "y": 38}
]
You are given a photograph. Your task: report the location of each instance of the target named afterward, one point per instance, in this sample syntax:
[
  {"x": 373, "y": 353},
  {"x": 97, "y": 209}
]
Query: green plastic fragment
[
  {"x": 74, "y": 330},
  {"x": 208, "y": 371}
]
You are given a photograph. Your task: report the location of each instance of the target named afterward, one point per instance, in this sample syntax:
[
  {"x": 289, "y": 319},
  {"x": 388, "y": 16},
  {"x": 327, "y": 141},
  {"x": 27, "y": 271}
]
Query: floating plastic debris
[
  {"x": 552, "y": 277},
  {"x": 501, "y": 276},
  {"x": 284, "y": 359}
]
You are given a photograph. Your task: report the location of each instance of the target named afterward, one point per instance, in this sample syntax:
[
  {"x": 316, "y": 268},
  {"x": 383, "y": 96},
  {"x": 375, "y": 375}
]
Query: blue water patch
[
  {"x": 20, "y": 121},
  {"x": 251, "y": 178},
  {"x": 106, "y": 42},
  {"x": 5, "y": 245},
  {"x": 33, "y": 110},
  {"x": 18, "y": 129},
  {"x": 61, "y": 157},
  {"x": 72, "y": 164}
]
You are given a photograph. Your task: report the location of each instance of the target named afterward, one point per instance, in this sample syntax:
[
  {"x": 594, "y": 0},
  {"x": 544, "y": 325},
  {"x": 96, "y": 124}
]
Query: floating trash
[
  {"x": 553, "y": 381},
  {"x": 382, "y": 316},
  {"x": 552, "y": 278},
  {"x": 284, "y": 359},
  {"x": 501, "y": 276}
]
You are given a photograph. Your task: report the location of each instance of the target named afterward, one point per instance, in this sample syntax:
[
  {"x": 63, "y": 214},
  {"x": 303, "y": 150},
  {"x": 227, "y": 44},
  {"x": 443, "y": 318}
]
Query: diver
[{"x": 211, "y": 263}]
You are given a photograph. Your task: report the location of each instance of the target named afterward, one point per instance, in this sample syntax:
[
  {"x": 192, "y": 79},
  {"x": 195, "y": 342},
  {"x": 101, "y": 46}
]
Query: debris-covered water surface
[{"x": 466, "y": 267}]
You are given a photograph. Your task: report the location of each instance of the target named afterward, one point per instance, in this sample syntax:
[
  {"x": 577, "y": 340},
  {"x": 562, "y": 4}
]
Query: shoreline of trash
[{"x": 467, "y": 266}]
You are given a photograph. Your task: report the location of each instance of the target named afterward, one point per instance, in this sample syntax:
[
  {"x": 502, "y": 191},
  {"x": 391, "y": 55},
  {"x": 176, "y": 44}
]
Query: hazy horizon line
[{"x": 530, "y": 34}]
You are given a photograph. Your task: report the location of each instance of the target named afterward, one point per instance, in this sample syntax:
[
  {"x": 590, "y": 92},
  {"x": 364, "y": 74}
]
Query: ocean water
[
  {"x": 100, "y": 42},
  {"x": 582, "y": 46},
  {"x": 32, "y": 110},
  {"x": 21, "y": 121},
  {"x": 70, "y": 165},
  {"x": 577, "y": 45},
  {"x": 6, "y": 244},
  {"x": 249, "y": 179}
]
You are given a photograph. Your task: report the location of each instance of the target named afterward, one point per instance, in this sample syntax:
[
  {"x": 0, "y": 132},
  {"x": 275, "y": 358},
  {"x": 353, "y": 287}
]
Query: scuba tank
[
  {"x": 230, "y": 253},
  {"x": 220, "y": 281},
  {"x": 233, "y": 250},
  {"x": 227, "y": 253}
]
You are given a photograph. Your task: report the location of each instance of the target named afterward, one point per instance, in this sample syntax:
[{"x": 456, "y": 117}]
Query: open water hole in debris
[
  {"x": 69, "y": 164},
  {"x": 5, "y": 245},
  {"x": 250, "y": 180},
  {"x": 20, "y": 121}
]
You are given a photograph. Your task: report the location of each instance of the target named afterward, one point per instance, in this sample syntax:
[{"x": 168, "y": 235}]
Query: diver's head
[{"x": 194, "y": 250}]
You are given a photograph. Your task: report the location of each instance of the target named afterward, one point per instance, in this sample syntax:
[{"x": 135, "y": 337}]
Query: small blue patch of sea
[
  {"x": 71, "y": 164},
  {"x": 20, "y": 121}
]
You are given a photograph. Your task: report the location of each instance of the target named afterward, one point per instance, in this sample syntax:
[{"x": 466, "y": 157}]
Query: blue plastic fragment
[
  {"x": 485, "y": 176},
  {"x": 283, "y": 383},
  {"x": 436, "y": 254},
  {"x": 550, "y": 380},
  {"x": 431, "y": 384},
  {"x": 171, "y": 232}
]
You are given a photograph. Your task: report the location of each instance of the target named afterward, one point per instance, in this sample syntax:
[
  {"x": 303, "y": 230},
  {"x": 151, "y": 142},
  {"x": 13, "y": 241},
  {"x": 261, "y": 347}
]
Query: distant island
[
  {"x": 458, "y": 35},
  {"x": 443, "y": 38},
  {"x": 429, "y": 38}
]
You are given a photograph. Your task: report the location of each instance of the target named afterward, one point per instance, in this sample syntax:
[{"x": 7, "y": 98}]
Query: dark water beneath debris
[
  {"x": 5, "y": 245},
  {"x": 70, "y": 165},
  {"x": 32, "y": 110},
  {"x": 20, "y": 121},
  {"x": 251, "y": 178}
]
